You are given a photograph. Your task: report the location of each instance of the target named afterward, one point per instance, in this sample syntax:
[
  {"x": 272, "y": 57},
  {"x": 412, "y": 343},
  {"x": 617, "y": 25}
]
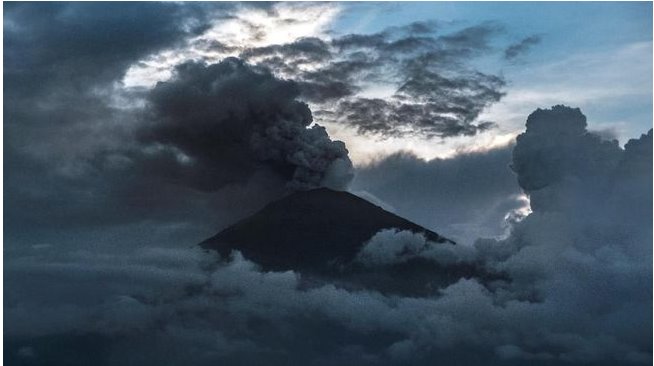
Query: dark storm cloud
[
  {"x": 84, "y": 43},
  {"x": 426, "y": 104},
  {"x": 61, "y": 61},
  {"x": 327, "y": 83},
  {"x": 521, "y": 47},
  {"x": 436, "y": 93},
  {"x": 381, "y": 117}
]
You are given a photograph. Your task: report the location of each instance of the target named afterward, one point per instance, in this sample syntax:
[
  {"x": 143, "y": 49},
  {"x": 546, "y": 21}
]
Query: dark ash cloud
[{"x": 228, "y": 120}]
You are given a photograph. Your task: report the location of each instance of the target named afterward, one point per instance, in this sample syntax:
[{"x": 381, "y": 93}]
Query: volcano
[
  {"x": 310, "y": 229},
  {"x": 320, "y": 232}
]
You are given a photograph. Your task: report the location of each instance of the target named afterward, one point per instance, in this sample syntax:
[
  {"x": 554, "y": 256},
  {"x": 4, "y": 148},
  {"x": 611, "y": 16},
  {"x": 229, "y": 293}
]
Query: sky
[
  {"x": 604, "y": 34},
  {"x": 583, "y": 48},
  {"x": 522, "y": 131},
  {"x": 572, "y": 57}
]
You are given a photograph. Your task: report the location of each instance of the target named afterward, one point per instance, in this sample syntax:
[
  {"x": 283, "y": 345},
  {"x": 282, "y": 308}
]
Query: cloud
[
  {"x": 198, "y": 149},
  {"x": 75, "y": 127},
  {"x": 303, "y": 50},
  {"x": 436, "y": 94},
  {"x": 65, "y": 109},
  {"x": 437, "y": 91},
  {"x": 473, "y": 38},
  {"x": 397, "y": 119},
  {"x": 232, "y": 312},
  {"x": 521, "y": 47},
  {"x": 463, "y": 197},
  {"x": 391, "y": 246},
  {"x": 229, "y": 120},
  {"x": 243, "y": 26},
  {"x": 564, "y": 149},
  {"x": 586, "y": 248},
  {"x": 72, "y": 40},
  {"x": 62, "y": 63},
  {"x": 558, "y": 81}
]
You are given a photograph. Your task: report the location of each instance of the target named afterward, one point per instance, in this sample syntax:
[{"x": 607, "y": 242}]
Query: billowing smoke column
[
  {"x": 584, "y": 254},
  {"x": 588, "y": 192},
  {"x": 556, "y": 151},
  {"x": 565, "y": 168},
  {"x": 228, "y": 121}
]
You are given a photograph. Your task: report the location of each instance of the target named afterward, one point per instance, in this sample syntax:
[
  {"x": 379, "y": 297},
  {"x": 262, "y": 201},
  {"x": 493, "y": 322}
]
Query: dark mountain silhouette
[
  {"x": 310, "y": 229},
  {"x": 319, "y": 233}
]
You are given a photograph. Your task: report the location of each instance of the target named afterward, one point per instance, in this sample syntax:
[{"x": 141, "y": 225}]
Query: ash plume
[{"x": 228, "y": 120}]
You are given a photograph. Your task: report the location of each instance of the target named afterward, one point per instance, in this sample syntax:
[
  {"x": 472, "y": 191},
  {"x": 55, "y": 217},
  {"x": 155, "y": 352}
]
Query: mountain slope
[{"x": 310, "y": 230}]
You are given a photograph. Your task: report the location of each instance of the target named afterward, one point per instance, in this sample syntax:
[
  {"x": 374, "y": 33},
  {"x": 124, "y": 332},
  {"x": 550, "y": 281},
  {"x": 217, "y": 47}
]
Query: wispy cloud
[{"x": 521, "y": 47}]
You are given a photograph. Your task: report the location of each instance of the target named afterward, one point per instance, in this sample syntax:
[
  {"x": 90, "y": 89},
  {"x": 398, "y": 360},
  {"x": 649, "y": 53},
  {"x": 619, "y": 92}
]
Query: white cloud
[{"x": 390, "y": 246}]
